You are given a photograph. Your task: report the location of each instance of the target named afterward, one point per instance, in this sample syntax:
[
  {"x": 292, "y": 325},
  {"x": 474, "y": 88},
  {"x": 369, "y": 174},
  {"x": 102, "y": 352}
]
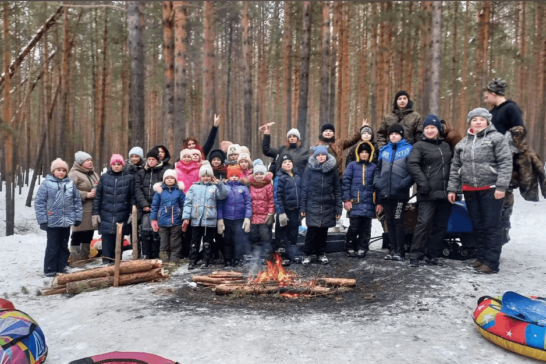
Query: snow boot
[
  {"x": 350, "y": 253},
  {"x": 484, "y": 269},
  {"x": 324, "y": 259},
  {"x": 306, "y": 261},
  {"x": 361, "y": 253}
]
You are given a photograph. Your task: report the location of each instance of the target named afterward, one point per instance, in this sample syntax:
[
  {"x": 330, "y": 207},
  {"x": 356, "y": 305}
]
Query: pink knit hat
[
  {"x": 58, "y": 163},
  {"x": 196, "y": 151},
  {"x": 185, "y": 152},
  {"x": 117, "y": 158}
]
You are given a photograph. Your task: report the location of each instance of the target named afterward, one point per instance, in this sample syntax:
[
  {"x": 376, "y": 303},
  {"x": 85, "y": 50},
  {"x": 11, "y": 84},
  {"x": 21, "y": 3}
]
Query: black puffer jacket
[
  {"x": 114, "y": 200},
  {"x": 298, "y": 153},
  {"x": 132, "y": 168},
  {"x": 321, "y": 193},
  {"x": 286, "y": 192},
  {"x": 428, "y": 164},
  {"x": 144, "y": 184}
]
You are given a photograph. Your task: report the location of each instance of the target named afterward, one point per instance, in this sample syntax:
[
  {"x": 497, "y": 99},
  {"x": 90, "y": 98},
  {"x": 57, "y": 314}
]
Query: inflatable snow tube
[
  {"x": 514, "y": 322},
  {"x": 21, "y": 339},
  {"x": 118, "y": 357}
]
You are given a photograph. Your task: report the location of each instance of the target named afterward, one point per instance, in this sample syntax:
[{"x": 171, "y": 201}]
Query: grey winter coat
[
  {"x": 85, "y": 180},
  {"x": 481, "y": 160},
  {"x": 58, "y": 203},
  {"x": 201, "y": 204}
]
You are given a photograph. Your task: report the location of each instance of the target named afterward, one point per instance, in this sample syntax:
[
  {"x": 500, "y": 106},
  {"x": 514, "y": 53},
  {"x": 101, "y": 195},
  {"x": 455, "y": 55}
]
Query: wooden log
[
  {"x": 265, "y": 289},
  {"x": 223, "y": 274},
  {"x": 135, "y": 232},
  {"x": 127, "y": 267},
  {"x": 119, "y": 236},
  {"x": 337, "y": 282},
  {"x": 124, "y": 279},
  {"x": 52, "y": 291},
  {"x": 206, "y": 279}
]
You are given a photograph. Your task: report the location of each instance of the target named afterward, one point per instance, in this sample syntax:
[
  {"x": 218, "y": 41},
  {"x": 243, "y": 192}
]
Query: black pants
[
  {"x": 186, "y": 242},
  {"x": 287, "y": 236},
  {"x": 171, "y": 241},
  {"x": 485, "y": 212},
  {"x": 315, "y": 240},
  {"x": 507, "y": 209},
  {"x": 198, "y": 233},
  {"x": 358, "y": 234},
  {"x": 260, "y": 237},
  {"x": 57, "y": 253},
  {"x": 236, "y": 242},
  {"x": 218, "y": 245},
  {"x": 395, "y": 211},
  {"x": 430, "y": 230},
  {"x": 108, "y": 248},
  {"x": 151, "y": 242},
  {"x": 81, "y": 237}
]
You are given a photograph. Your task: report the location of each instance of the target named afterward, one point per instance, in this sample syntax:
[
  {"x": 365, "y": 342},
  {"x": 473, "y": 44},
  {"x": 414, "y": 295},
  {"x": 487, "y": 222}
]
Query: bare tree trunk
[
  {"x": 287, "y": 68},
  {"x": 325, "y": 80},
  {"x": 424, "y": 56},
  {"x": 137, "y": 102},
  {"x": 454, "y": 68},
  {"x": 363, "y": 71},
  {"x": 409, "y": 55},
  {"x": 304, "y": 74},
  {"x": 228, "y": 82},
  {"x": 180, "y": 77},
  {"x": 436, "y": 58},
  {"x": 345, "y": 94},
  {"x": 65, "y": 127},
  {"x": 8, "y": 141},
  {"x": 247, "y": 76},
  {"x": 168, "y": 92},
  {"x": 373, "y": 71},
  {"x": 464, "y": 71}
]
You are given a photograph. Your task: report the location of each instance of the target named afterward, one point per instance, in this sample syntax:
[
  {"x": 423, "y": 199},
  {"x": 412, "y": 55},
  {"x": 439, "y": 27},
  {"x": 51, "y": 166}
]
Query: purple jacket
[{"x": 237, "y": 205}]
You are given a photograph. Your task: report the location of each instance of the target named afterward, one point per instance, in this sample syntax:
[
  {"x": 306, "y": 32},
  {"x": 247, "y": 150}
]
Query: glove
[
  {"x": 283, "y": 220},
  {"x": 155, "y": 225},
  {"x": 348, "y": 205},
  {"x": 270, "y": 219},
  {"x": 77, "y": 223},
  {"x": 246, "y": 225},
  {"x": 43, "y": 227},
  {"x": 95, "y": 221},
  {"x": 221, "y": 226},
  {"x": 185, "y": 225}
]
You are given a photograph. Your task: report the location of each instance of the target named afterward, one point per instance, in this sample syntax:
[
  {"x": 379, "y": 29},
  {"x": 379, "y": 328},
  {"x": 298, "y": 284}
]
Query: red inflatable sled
[{"x": 118, "y": 357}]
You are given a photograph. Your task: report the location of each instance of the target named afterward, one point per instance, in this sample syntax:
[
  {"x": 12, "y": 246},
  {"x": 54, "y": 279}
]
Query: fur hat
[
  {"x": 58, "y": 163},
  {"x": 185, "y": 152},
  {"x": 327, "y": 127},
  {"x": 245, "y": 156},
  {"x": 233, "y": 149},
  {"x": 295, "y": 132},
  {"x": 206, "y": 170},
  {"x": 233, "y": 171},
  {"x": 321, "y": 149},
  {"x": 137, "y": 151},
  {"x": 81, "y": 157},
  {"x": 497, "y": 86},
  {"x": 259, "y": 167},
  {"x": 117, "y": 158},
  {"x": 434, "y": 121},
  {"x": 153, "y": 153},
  {"x": 397, "y": 128},
  {"x": 479, "y": 111}
]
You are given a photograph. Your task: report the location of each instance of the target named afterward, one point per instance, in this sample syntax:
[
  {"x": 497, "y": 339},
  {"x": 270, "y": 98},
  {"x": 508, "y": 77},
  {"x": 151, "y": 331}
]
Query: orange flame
[{"x": 275, "y": 273}]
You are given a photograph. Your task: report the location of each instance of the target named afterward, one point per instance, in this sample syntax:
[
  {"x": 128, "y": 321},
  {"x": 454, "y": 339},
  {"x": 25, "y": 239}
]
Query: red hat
[{"x": 233, "y": 171}]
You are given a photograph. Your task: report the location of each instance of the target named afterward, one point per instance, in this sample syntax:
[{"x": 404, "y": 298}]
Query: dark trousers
[
  {"x": 186, "y": 242},
  {"x": 198, "y": 233},
  {"x": 151, "y": 242},
  {"x": 507, "y": 209},
  {"x": 236, "y": 240},
  {"x": 108, "y": 248},
  {"x": 81, "y": 237},
  {"x": 315, "y": 240},
  {"x": 485, "y": 212},
  {"x": 430, "y": 230},
  {"x": 56, "y": 254},
  {"x": 287, "y": 236},
  {"x": 171, "y": 241},
  {"x": 260, "y": 237},
  {"x": 395, "y": 211},
  {"x": 218, "y": 246},
  {"x": 358, "y": 234}
]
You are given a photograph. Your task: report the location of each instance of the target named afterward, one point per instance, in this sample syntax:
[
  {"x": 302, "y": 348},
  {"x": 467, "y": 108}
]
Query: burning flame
[{"x": 275, "y": 273}]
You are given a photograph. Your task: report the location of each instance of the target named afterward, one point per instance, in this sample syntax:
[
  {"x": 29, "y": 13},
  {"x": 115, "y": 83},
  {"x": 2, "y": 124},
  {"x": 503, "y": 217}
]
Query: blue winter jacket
[
  {"x": 238, "y": 204},
  {"x": 167, "y": 206},
  {"x": 201, "y": 204},
  {"x": 286, "y": 192},
  {"x": 58, "y": 202},
  {"x": 392, "y": 179},
  {"x": 321, "y": 193},
  {"x": 114, "y": 200},
  {"x": 357, "y": 185}
]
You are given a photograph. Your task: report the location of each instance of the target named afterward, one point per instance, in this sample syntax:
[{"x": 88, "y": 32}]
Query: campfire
[{"x": 274, "y": 280}]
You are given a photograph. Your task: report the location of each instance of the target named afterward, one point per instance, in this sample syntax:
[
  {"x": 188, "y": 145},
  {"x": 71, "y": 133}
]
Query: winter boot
[
  {"x": 350, "y": 253},
  {"x": 484, "y": 269},
  {"x": 323, "y": 259},
  {"x": 361, "y": 253},
  {"x": 306, "y": 261},
  {"x": 85, "y": 250},
  {"x": 74, "y": 254}
]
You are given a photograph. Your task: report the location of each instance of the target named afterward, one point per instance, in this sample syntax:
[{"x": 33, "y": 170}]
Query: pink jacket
[
  {"x": 261, "y": 194},
  {"x": 188, "y": 173}
]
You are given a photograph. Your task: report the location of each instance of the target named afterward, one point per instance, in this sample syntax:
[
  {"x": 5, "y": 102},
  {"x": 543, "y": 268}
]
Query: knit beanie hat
[
  {"x": 295, "y": 132},
  {"x": 153, "y": 153},
  {"x": 366, "y": 129},
  {"x": 185, "y": 152},
  {"x": 397, "y": 128},
  {"x": 233, "y": 171},
  {"x": 58, "y": 163},
  {"x": 245, "y": 156},
  {"x": 364, "y": 147},
  {"x": 321, "y": 149},
  {"x": 259, "y": 167},
  {"x": 398, "y": 94},
  {"x": 327, "y": 127},
  {"x": 284, "y": 157},
  {"x": 244, "y": 149},
  {"x": 81, "y": 157},
  {"x": 170, "y": 173},
  {"x": 434, "y": 121},
  {"x": 206, "y": 170},
  {"x": 497, "y": 86},
  {"x": 233, "y": 149},
  {"x": 479, "y": 111},
  {"x": 117, "y": 158},
  {"x": 217, "y": 153},
  {"x": 137, "y": 151}
]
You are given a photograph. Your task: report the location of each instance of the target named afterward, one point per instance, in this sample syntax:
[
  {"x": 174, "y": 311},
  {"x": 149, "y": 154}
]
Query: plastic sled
[{"x": 118, "y": 357}]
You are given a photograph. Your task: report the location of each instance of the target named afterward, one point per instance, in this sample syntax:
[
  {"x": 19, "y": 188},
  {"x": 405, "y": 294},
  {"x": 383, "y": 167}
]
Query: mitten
[
  {"x": 270, "y": 219},
  {"x": 221, "y": 226},
  {"x": 77, "y": 223},
  {"x": 246, "y": 225},
  {"x": 283, "y": 220},
  {"x": 43, "y": 227},
  {"x": 155, "y": 225},
  {"x": 95, "y": 221},
  {"x": 348, "y": 205}
]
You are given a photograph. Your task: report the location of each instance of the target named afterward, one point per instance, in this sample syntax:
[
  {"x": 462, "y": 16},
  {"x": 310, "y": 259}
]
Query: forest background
[{"x": 105, "y": 76}]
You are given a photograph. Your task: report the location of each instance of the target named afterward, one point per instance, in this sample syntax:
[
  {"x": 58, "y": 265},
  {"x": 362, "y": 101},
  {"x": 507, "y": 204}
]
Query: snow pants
[
  {"x": 315, "y": 240},
  {"x": 236, "y": 243},
  {"x": 81, "y": 237},
  {"x": 485, "y": 212},
  {"x": 287, "y": 236},
  {"x": 171, "y": 241},
  {"x": 218, "y": 246},
  {"x": 395, "y": 211},
  {"x": 57, "y": 253},
  {"x": 358, "y": 234},
  {"x": 198, "y": 233},
  {"x": 507, "y": 209},
  {"x": 260, "y": 238},
  {"x": 430, "y": 230}
]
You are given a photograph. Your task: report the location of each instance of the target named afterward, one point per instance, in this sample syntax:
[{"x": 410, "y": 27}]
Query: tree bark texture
[
  {"x": 137, "y": 102},
  {"x": 168, "y": 73},
  {"x": 304, "y": 74},
  {"x": 436, "y": 48}
]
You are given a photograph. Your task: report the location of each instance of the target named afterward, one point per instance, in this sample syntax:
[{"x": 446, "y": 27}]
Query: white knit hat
[
  {"x": 233, "y": 149},
  {"x": 259, "y": 167},
  {"x": 170, "y": 173},
  {"x": 81, "y": 157},
  {"x": 295, "y": 132},
  {"x": 206, "y": 170},
  {"x": 136, "y": 151}
]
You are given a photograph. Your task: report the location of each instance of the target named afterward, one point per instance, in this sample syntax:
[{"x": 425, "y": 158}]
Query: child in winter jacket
[
  {"x": 392, "y": 182},
  {"x": 201, "y": 207},
  {"x": 366, "y": 135},
  {"x": 135, "y": 162},
  {"x": 216, "y": 159},
  {"x": 196, "y": 155},
  {"x": 263, "y": 210},
  {"x": 58, "y": 206},
  {"x": 245, "y": 163},
  {"x": 187, "y": 169},
  {"x": 112, "y": 204},
  {"x": 233, "y": 152},
  {"x": 166, "y": 215},
  {"x": 357, "y": 187},
  {"x": 234, "y": 218},
  {"x": 287, "y": 197},
  {"x": 320, "y": 202}
]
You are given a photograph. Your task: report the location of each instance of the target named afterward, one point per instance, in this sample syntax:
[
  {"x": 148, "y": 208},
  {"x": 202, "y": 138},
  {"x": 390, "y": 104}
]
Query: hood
[
  {"x": 503, "y": 104},
  {"x": 281, "y": 172},
  {"x": 167, "y": 153},
  {"x": 78, "y": 168},
  {"x": 252, "y": 180},
  {"x": 371, "y": 154},
  {"x": 177, "y": 186},
  {"x": 325, "y": 167}
]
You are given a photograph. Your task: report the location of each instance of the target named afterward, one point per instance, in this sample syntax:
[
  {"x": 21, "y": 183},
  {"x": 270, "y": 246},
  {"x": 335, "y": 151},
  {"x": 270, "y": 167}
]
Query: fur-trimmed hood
[{"x": 325, "y": 167}]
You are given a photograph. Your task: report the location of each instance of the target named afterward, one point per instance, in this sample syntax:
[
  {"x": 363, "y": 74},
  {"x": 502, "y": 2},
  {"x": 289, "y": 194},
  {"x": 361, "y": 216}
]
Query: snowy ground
[{"x": 432, "y": 326}]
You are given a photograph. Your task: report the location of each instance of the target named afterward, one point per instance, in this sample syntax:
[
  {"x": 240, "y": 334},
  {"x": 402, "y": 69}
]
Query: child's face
[
  {"x": 366, "y": 136},
  {"x": 135, "y": 159},
  {"x": 186, "y": 158},
  {"x": 234, "y": 177},
  {"x": 117, "y": 166},
  {"x": 243, "y": 163},
  {"x": 259, "y": 177},
  {"x": 431, "y": 132},
  {"x": 364, "y": 155},
  {"x": 321, "y": 158},
  {"x": 395, "y": 137},
  {"x": 60, "y": 173},
  {"x": 161, "y": 153},
  {"x": 287, "y": 165},
  {"x": 478, "y": 123},
  {"x": 170, "y": 181},
  {"x": 196, "y": 157},
  {"x": 87, "y": 164},
  {"x": 216, "y": 162},
  {"x": 402, "y": 102},
  {"x": 233, "y": 157},
  {"x": 206, "y": 179},
  {"x": 152, "y": 162}
]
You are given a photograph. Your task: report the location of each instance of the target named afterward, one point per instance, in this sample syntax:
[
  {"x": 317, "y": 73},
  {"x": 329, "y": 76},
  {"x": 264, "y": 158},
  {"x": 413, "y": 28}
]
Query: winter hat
[
  {"x": 244, "y": 149},
  {"x": 364, "y": 147},
  {"x": 366, "y": 129},
  {"x": 233, "y": 149},
  {"x": 137, "y": 151},
  {"x": 295, "y": 132},
  {"x": 321, "y": 149},
  {"x": 58, "y": 163},
  {"x": 245, "y": 156},
  {"x": 233, "y": 171},
  {"x": 117, "y": 158},
  {"x": 397, "y": 128},
  {"x": 434, "y": 121},
  {"x": 81, "y": 157},
  {"x": 170, "y": 173},
  {"x": 206, "y": 170},
  {"x": 326, "y": 127},
  {"x": 259, "y": 167},
  {"x": 196, "y": 151},
  {"x": 479, "y": 111},
  {"x": 217, "y": 153},
  {"x": 497, "y": 86},
  {"x": 185, "y": 152},
  {"x": 225, "y": 145},
  {"x": 153, "y": 153}
]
